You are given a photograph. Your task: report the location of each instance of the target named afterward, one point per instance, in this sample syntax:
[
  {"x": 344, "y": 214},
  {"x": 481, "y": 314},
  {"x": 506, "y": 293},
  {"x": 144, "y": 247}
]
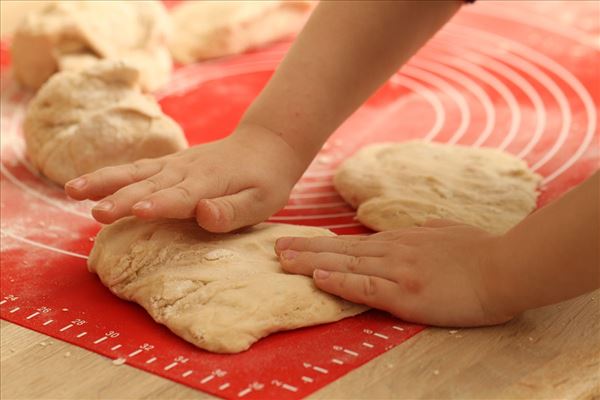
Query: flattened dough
[
  {"x": 395, "y": 185},
  {"x": 221, "y": 292},
  {"x": 71, "y": 34},
  {"x": 79, "y": 122},
  {"x": 208, "y": 29}
]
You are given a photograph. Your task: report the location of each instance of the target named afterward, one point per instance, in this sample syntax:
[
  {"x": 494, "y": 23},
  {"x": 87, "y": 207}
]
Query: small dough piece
[
  {"x": 209, "y": 29},
  {"x": 73, "y": 34},
  {"x": 396, "y": 185},
  {"x": 79, "y": 122},
  {"x": 221, "y": 292}
]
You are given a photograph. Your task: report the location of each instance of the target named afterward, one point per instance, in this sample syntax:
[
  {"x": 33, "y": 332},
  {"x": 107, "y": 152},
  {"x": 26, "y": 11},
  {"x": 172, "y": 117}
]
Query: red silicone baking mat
[{"x": 518, "y": 76}]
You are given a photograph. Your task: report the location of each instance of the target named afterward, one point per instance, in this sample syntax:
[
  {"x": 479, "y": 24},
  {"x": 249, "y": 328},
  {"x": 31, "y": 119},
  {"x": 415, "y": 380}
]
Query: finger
[
  {"x": 227, "y": 213},
  {"x": 177, "y": 201},
  {"x": 440, "y": 223},
  {"x": 108, "y": 180},
  {"x": 330, "y": 244},
  {"x": 120, "y": 203},
  {"x": 306, "y": 262},
  {"x": 363, "y": 289}
]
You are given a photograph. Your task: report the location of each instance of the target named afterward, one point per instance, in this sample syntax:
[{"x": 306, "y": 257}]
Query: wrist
[
  {"x": 503, "y": 278},
  {"x": 298, "y": 124},
  {"x": 520, "y": 283},
  {"x": 285, "y": 158}
]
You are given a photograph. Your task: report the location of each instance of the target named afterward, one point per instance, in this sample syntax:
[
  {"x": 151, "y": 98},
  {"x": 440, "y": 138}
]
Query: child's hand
[
  {"x": 443, "y": 274},
  {"x": 238, "y": 181}
]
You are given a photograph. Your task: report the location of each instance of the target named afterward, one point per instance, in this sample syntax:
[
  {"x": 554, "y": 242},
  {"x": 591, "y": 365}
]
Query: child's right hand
[{"x": 228, "y": 184}]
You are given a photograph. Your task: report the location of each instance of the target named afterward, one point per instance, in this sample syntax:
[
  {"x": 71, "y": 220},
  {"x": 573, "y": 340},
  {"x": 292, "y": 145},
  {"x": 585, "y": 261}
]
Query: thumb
[{"x": 227, "y": 213}]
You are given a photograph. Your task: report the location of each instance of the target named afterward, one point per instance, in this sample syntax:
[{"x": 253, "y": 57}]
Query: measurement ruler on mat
[{"x": 298, "y": 377}]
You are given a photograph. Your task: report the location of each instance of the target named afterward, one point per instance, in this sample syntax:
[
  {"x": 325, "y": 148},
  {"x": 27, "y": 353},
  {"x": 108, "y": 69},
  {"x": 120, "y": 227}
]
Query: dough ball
[
  {"x": 221, "y": 292},
  {"x": 396, "y": 185},
  {"x": 81, "y": 121},
  {"x": 73, "y": 34},
  {"x": 208, "y": 29}
]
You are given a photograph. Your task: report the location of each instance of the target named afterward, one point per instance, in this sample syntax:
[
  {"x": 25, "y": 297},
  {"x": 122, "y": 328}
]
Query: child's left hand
[{"x": 443, "y": 273}]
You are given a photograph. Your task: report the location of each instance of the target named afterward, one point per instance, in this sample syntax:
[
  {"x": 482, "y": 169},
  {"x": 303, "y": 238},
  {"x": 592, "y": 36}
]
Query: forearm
[
  {"x": 553, "y": 254},
  {"x": 345, "y": 52}
]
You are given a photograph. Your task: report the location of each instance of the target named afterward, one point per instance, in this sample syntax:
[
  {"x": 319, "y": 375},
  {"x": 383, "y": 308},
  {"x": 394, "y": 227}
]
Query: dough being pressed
[
  {"x": 81, "y": 121},
  {"x": 70, "y": 34},
  {"x": 208, "y": 29},
  {"x": 221, "y": 292},
  {"x": 395, "y": 185}
]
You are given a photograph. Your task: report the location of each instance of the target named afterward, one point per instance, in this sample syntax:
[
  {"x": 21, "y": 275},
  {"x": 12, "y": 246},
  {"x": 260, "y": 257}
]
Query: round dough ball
[
  {"x": 209, "y": 29},
  {"x": 81, "y": 121},
  {"x": 397, "y": 185},
  {"x": 73, "y": 34}
]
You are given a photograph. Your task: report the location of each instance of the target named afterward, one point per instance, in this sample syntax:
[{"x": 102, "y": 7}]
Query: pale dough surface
[
  {"x": 80, "y": 121},
  {"x": 208, "y": 29},
  {"x": 13, "y": 11},
  {"x": 71, "y": 34},
  {"x": 221, "y": 292},
  {"x": 396, "y": 185}
]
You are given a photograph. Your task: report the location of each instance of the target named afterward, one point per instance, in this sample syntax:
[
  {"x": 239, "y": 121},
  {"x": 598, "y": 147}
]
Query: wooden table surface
[{"x": 549, "y": 353}]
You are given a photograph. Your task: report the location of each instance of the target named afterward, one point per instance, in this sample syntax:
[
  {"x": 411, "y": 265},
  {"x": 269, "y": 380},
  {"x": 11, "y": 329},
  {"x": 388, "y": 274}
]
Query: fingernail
[
  {"x": 105, "y": 205},
  {"x": 321, "y": 274},
  {"x": 283, "y": 243},
  {"x": 289, "y": 254},
  {"x": 78, "y": 183},
  {"x": 143, "y": 205},
  {"x": 214, "y": 210}
]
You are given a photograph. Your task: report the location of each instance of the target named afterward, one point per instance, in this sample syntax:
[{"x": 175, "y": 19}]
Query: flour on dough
[
  {"x": 70, "y": 34},
  {"x": 81, "y": 121},
  {"x": 395, "y": 185},
  {"x": 208, "y": 29},
  {"x": 221, "y": 292}
]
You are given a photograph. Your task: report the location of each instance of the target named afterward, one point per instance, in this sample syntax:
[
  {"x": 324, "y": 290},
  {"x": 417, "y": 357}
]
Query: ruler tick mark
[
  {"x": 64, "y": 328},
  {"x": 307, "y": 379},
  {"x": 150, "y": 360},
  {"x": 100, "y": 340},
  {"x": 33, "y": 315},
  {"x": 2, "y": 302},
  {"x": 82, "y": 334},
  {"x": 224, "y": 386},
  {"x": 116, "y": 347},
  {"x": 352, "y": 353},
  {"x": 336, "y": 361},
  {"x": 380, "y": 335},
  {"x": 244, "y": 392},
  {"x": 207, "y": 379},
  {"x": 170, "y": 366},
  {"x": 187, "y": 373},
  {"x": 321, "y": 370},
  {"x": 289, "y": 387},
  {"x": 48, "y": 322},
  {"x": 367, "y": 344},
  {"x": 135, "y": 353},
  {"x": 14, "y": 310},
  {"x": 398, "y": 328}
]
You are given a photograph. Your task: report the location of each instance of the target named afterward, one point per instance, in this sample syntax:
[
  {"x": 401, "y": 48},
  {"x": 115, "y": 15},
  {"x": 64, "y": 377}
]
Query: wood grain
[{"x": 549, "y": 353}]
